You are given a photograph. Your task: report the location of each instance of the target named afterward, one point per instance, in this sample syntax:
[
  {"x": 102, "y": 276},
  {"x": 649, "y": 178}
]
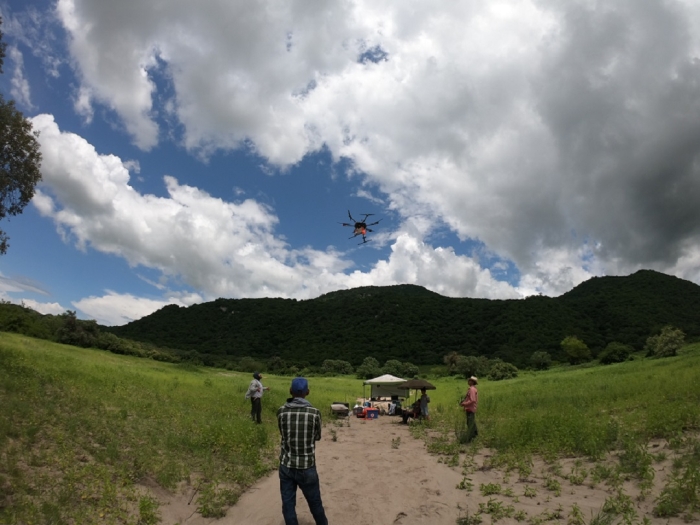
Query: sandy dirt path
[{"x": 375, "y": 473}]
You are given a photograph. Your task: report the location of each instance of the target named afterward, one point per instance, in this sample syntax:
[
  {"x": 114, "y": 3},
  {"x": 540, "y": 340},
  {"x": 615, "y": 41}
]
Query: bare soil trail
[{"x": 375, "y": 473}]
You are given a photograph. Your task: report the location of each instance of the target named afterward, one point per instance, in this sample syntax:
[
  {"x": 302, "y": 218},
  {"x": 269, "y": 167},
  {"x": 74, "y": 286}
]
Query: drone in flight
[{"x": 360, "y": 227}]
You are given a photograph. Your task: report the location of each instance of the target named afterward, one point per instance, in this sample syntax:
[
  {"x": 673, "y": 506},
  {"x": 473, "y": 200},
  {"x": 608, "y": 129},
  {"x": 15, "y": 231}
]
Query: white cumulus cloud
[{"x": 218, "y": 248}]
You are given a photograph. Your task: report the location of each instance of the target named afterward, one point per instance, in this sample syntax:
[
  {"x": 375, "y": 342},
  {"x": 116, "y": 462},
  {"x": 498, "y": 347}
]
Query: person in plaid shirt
[{"x": 300, "y": 427}]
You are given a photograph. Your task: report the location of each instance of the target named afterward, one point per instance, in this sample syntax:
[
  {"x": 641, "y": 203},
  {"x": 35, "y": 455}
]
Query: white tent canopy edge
[{"x": 385, "y": 386}]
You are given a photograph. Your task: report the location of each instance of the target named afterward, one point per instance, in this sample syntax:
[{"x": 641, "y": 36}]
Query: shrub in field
[
  {"x": 665, "y": 344},
  {"x": 393, "y": 367},
  {"x": 277, "y": 365},
  {"x": 409, "y": 370},
  {"x": 451, "y": 360},
  {"x": 248, "y": 364},
  {"x": 472, "y": 366},
  {"x": 576, "y": 350},
  {"x": 541, "y": 360},
  {"x": 368, "y": 369},
  {"x": 615, "y": 353},
  {"x": 75, "y": 332},
  {"x": 336, "y": 366},
  {"x": 502, "y": 370}
]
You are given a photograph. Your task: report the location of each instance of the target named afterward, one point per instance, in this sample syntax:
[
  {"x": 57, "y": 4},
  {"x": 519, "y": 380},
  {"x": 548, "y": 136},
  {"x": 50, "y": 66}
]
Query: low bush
[
  {"x": 502, "y": 370},
  {"x": 615, "y": 353}
]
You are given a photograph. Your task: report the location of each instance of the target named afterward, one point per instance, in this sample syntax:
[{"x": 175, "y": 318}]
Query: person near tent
[
  {"x": 411, "y": 413},
  {"x": 424, "y": 400}
]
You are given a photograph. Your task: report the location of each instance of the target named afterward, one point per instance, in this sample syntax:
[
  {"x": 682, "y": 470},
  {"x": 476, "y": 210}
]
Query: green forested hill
[{"x": 410, "y": 323}]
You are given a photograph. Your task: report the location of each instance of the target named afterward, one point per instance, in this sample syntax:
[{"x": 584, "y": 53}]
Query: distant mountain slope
[
  {"x": 628, "y": 309},
  {"x": 410, "y": 323}
]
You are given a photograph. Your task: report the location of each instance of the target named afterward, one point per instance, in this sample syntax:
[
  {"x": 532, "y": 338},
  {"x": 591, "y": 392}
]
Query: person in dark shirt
[{"x": 300, "y": 427}]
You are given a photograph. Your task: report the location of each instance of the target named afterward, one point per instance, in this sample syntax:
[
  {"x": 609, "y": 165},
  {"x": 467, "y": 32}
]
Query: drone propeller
[{"x": 374, "y": 223}]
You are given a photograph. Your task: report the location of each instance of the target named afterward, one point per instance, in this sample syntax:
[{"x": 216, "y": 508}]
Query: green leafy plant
[
  {"x": 148, "y": 511},
  {"x": 473, "y": 519},
  {"x": 213, "y": 501},
  {"x": 466, "y": 484},
  {"x": 553, "y": 485},
  {"x": 665, "y": 344},
  {"x": 496, "y": 509},
  {"x": 576, "y": 350},
  {"x": 682, "y": 491},
  {"x": 488, "y": 489},
  {"x": 575, "y": 516}
]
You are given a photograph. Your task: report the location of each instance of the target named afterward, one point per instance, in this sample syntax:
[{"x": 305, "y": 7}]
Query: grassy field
[{"x": 80, "y": 428}]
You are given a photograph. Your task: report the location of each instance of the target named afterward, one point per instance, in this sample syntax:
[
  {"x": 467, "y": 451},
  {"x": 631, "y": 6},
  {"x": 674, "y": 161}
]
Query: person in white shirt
[{"x": 255, "y": 393}]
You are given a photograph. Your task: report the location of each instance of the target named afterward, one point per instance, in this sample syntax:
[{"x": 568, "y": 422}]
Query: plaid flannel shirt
[{"x": 300, "y": 427}]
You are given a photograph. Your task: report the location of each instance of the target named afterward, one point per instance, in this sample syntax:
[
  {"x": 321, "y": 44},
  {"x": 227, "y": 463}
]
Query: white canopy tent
[{"x": 385, "y": 386}]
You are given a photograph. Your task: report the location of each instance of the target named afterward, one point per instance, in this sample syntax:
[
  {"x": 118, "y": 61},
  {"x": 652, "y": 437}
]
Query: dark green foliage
[
  {"x": 614, "y": 353},
  {"x": 336, "y": 367},
  {"x": 77, "y": 333},
  {"x": 409, "y": 370},
  {"x": 405, "y": 323},
  {"x": 409, "y": 323},
  {"x": 368, "y": 369},
  {"x": 276, "y": 364},
  {"x": 248, "y": 364},
  {"x": 472, "y": 366},
  {"x": 20, "y": 159},
  {"x": 576, "y": 350},
  {"x": 501, "y": 370},
  {"x": 22, "y": 320},
  {"x": 541, "y": 360},
  {"x": 393, "y": 367},
  {"x": 665, "y": 344},
  {"x": 68, "y": 329}
]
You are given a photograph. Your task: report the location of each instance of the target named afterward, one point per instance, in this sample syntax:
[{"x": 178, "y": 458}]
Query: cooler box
[{"x": 371, "y": 413}]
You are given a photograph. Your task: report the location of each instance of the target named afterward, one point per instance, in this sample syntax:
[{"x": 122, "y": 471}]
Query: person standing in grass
[
  {"x": 424, "y": 400},
  {"x": 300, "y": 427},
  {"x": 470, "y": 402},
  {"x": 255, "y": 393}
]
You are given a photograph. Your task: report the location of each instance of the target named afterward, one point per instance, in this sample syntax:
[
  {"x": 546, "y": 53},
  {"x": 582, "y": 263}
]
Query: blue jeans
[{"x": 307, "y": 481}]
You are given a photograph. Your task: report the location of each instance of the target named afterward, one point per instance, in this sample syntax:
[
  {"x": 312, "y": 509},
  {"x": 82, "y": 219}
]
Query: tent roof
[
  {"x": 417, "y": 384},
  {"x": 386, "y": 379}
]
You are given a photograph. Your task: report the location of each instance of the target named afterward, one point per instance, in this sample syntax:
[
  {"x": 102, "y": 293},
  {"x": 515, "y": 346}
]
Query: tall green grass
[
  {"x": 584, "y": 411},
  {"x": 79, "y": 428}
]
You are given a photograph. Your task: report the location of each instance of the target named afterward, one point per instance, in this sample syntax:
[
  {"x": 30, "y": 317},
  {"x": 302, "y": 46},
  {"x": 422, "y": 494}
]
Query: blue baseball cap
[{"x": 299, "y": 385}]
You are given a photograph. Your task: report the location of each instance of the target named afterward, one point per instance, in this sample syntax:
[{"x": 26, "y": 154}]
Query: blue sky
[{"x": 195, "y": 150}]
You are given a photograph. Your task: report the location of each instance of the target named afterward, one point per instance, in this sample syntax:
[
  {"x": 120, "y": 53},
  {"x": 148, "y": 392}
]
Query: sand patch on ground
[{"x": 375, "y": 472}]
